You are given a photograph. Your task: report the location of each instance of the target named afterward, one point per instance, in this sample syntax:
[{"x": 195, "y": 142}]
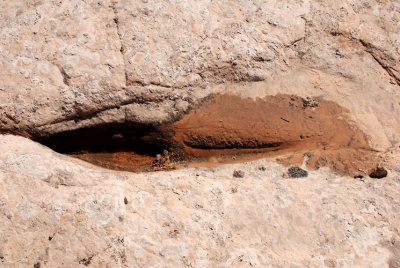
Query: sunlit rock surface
[{"x": 68, "y": 65}]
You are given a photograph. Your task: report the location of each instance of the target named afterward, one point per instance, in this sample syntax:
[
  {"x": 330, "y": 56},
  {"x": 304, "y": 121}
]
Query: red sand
[{"x": 227, "y": 129}]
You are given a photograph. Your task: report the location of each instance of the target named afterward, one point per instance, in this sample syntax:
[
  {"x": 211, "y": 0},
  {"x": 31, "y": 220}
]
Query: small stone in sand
[
  {"x": 296, "y": 172},
  {"x": 238, "y": 174},
  {"x": 378, "y": 173}
]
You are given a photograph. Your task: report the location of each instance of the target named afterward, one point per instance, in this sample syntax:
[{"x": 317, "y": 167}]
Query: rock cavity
[{"x": 225, "y": 129}]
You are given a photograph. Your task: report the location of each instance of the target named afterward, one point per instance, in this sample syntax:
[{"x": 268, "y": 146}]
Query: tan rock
[
  {"x": 66, "y": 61},
  {"x": 60, "y": 211},
  {"x": 70, "y": 65}
]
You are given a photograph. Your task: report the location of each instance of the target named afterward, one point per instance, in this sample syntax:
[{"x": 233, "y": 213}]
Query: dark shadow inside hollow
[
  {"x": 138, "y": 138},
  {"x": 222, "y": 128}
]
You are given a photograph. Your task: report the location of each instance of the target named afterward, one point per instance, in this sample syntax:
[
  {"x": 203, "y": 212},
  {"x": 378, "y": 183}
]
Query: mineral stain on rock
[{"x": 225, "y": 129}]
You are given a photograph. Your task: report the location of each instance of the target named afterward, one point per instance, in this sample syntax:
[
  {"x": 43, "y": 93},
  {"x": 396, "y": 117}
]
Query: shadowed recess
[
  {"x": 140, "y": 139},
  {"x": 224, "y": 129}
]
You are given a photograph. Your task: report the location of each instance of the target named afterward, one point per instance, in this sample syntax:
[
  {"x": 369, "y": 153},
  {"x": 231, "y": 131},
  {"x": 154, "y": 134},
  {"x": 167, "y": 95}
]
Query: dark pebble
[
  {"x": 262, "y": 168},
  {"x": 238, "y": 174},
  {"x": 296, "y": 172},
  {"x": 378, "y": 173},
  {"x": 358, "y": 176}
]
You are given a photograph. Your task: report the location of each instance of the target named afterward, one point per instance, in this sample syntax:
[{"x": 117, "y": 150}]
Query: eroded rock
[
  {"x": 176, "y": 214},
  {"x": 75, "y": 65}
]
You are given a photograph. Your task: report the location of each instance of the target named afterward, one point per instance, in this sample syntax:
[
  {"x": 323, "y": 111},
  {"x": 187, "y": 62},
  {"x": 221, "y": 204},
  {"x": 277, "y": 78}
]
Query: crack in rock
[{"x": 371, "y": 49}]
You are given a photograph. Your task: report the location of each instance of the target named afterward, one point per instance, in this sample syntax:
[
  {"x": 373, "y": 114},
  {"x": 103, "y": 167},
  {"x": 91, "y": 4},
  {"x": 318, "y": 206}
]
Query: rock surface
[
  {"x": 68, "y": 65},
  {"x": 73, "y": 64},
  {"x": 59, "y": 211}
]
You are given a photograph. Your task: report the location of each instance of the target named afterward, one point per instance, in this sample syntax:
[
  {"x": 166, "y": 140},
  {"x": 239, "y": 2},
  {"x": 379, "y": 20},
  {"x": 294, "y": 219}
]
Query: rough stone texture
[
  {"x": 60, "y": 211},
  {"x": 73, "y": 64},
  {"x": 296, "y": 172},
  {"x": 67, "y": 65}
]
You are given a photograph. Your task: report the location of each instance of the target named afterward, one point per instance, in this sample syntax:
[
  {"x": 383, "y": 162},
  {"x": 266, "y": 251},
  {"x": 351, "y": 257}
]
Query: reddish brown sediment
[
  {"x": 226, "y": 122},
  {"x": 227, "y": 129},
  {"x": 281, "y": 125},
  {"x": 128, "y": 161}
]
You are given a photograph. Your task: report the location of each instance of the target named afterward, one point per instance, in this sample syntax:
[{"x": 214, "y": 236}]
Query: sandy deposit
[{"x": 221, "y": 128}]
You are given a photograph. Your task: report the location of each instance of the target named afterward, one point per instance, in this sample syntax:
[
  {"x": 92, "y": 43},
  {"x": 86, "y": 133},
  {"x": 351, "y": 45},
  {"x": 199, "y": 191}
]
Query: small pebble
[
  {"x": 296, "y": 172},
  {"x": 378, "y": 173},
  {"x": 238, "y": 174}
]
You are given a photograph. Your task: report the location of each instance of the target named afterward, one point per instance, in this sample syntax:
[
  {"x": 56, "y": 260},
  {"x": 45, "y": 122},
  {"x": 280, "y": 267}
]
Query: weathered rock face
[
  {"x": 72, "y": 65},
  {"x": 68, "y": 65},
  {"x": 58, "y": 211}
]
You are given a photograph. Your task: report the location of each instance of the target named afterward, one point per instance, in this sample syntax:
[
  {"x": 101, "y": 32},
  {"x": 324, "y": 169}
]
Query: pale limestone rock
[
  {"x": 67, "y": 65},
  {"x": 60, "y": 211},
  {"x": 63, "y": 62},
  {"x": 58, "y": 60}
]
